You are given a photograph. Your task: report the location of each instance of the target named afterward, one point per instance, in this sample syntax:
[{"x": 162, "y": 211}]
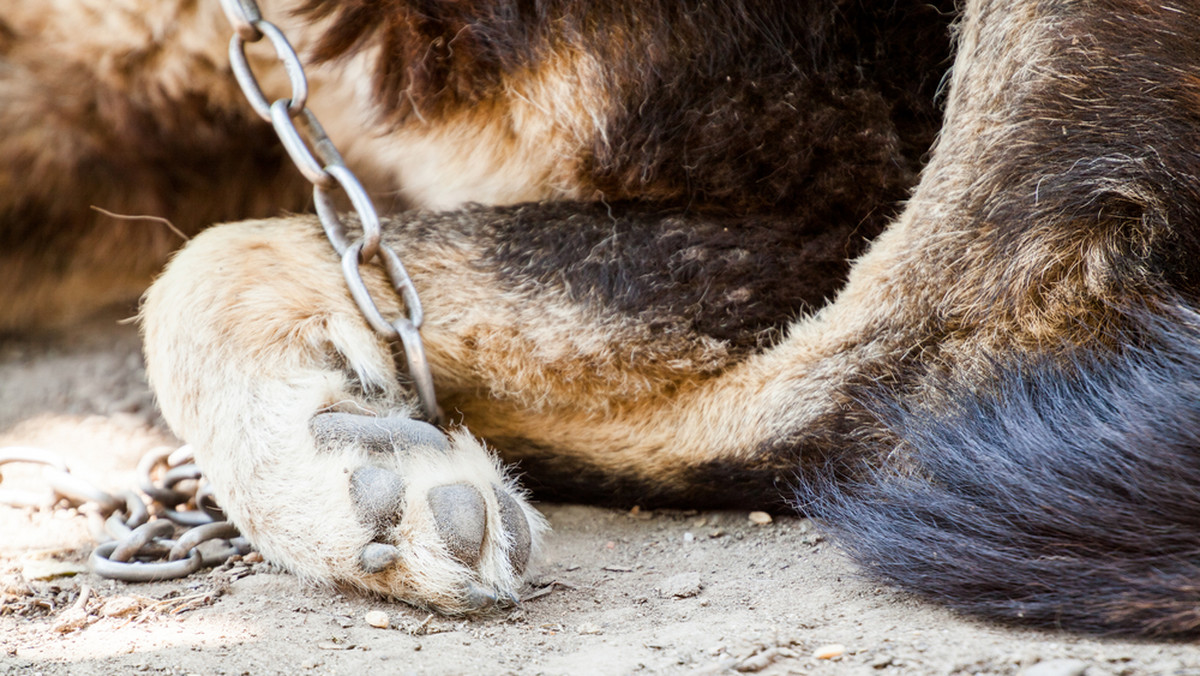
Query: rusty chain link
[
  {"x": 138, "y": 542},
  {"x": 319, "y": 161}
]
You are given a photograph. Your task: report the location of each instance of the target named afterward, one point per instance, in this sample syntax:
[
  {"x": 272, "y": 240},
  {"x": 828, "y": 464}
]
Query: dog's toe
[
  {"x": 378, "y": 497},
  {"x": 377, "y": 557},
  {"x": 337, "y": 430},
  {"x": 516, "y": 525},
  {"x": 460, "y": 516}
]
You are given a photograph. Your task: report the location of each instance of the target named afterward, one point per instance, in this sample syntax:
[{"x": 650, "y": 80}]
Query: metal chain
[
  {"x": 136, "y": 546},
  {"x": 139, "y": 542},
  {"x": 320, "y": 162}
]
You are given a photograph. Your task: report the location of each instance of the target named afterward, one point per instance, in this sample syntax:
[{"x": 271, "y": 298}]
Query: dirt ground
[{"x": 612, "y": 592}]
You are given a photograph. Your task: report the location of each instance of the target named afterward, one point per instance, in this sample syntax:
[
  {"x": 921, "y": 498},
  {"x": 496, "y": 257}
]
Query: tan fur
[
  {"x": 512, "y": 369},
  {"x": 250, "y": 332},
  {"x": 75, "y": 81},
  {"x": 278, "y": 374},
  {"x": 524, "y": 147}
]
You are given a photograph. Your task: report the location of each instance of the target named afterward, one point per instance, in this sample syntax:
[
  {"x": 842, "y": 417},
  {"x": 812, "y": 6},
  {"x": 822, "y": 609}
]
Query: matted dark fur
[{"x": 703, "y": 273}]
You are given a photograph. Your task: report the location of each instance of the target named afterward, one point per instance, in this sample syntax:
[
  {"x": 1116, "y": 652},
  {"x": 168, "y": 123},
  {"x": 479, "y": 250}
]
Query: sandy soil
[{"x": 613, "y": 592}]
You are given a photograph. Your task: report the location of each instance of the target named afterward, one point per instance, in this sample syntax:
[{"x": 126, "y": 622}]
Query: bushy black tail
[{"x": 1065, "y": 496}]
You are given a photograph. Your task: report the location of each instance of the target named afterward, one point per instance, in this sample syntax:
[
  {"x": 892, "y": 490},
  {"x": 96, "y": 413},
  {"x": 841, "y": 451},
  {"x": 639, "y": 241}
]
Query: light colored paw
[
  {"x": 423, "y": 518},
  {"x": 301, "y": 424}
]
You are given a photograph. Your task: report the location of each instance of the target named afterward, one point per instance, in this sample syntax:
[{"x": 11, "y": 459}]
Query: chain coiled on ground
[
  {"x": 320, "y": 162},
  {"x": 140, "y": 541}
]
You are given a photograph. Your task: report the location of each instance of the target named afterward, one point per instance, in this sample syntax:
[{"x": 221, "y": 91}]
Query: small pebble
[
  {"x": 760, "y": 518},
  {"x": 688, "y": 537},
  {"x": 378, "y": 619},
  {"x": 829, "y": 652},
  {"x": 253, "y": 557}
]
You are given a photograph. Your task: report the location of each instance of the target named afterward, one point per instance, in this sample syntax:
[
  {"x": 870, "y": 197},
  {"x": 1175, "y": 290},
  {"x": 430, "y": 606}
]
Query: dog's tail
[{"x": 1062, "y": 495}]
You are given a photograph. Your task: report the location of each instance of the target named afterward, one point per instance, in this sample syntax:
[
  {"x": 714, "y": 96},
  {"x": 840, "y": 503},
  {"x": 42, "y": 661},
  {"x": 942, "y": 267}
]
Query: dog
[{"x": 927, "y": 275}]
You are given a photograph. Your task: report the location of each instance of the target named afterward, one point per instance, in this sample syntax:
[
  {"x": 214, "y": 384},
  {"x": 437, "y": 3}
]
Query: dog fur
[{"x": 631, "y": 227}]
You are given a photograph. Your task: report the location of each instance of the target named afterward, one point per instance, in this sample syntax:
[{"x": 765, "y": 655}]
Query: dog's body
[{"x": 996, "y": 409}]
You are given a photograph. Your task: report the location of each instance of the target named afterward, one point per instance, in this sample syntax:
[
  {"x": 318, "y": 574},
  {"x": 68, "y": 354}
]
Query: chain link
[
  {"x": 319, "y": 161},
  {"x": 136, "y": 546}
]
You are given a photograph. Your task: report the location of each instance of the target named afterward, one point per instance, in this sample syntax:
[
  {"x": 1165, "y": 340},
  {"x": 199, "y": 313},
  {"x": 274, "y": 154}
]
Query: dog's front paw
[
  {"x": 444, "y": 528},
  {"x": 392, "y": 505},
  {"x": 296, "y": 413}
]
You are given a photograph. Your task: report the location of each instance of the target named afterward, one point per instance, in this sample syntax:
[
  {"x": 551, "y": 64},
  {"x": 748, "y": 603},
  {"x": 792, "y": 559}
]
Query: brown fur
[{"x": 597, "y": 322}]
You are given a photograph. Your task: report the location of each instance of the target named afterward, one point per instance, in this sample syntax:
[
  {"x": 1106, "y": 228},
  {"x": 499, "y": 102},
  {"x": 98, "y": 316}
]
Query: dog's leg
[
  {"x": 263, "y": 363},
  {"x": 1018, "y": 351},
  {"x": 294, "y": 407}
]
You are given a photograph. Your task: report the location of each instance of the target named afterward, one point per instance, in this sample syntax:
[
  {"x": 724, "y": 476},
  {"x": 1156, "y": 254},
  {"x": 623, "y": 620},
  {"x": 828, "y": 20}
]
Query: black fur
[
  {"x": 740, "y": 280},
  {"x": 1057, "y": 493},
  {"x": 717, "y": 484},
  {"x": 818, "y": 109}
]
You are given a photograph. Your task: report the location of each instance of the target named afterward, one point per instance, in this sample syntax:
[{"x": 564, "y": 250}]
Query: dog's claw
[
  {"x": 378, "y": 497},
  {"x": 377, "y": 434},
  {"x": 378, "y": 556},
  {"x": 460, "y": 514},
  {"x": 512, "y": 518},
  {"x": 479, "y": 598}
]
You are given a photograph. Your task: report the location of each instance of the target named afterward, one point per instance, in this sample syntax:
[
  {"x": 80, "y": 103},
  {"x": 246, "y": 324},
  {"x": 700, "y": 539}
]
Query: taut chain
[{"x": 321, "y": 163}]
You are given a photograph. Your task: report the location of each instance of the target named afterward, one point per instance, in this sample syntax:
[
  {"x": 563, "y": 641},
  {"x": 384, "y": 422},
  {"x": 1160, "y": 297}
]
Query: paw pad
[
  {"x": 377, "y": 434},
  {"x": 417, "y": 498},
  {"x": 378, "y": 497},
  {"x": 512, "y": 519},
  {"x": 460, "y": 515}
]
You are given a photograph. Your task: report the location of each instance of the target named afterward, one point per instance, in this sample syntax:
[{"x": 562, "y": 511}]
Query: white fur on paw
[
  {"x": 439, "y": 523},
  {"x": 266, "y": 370}
]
